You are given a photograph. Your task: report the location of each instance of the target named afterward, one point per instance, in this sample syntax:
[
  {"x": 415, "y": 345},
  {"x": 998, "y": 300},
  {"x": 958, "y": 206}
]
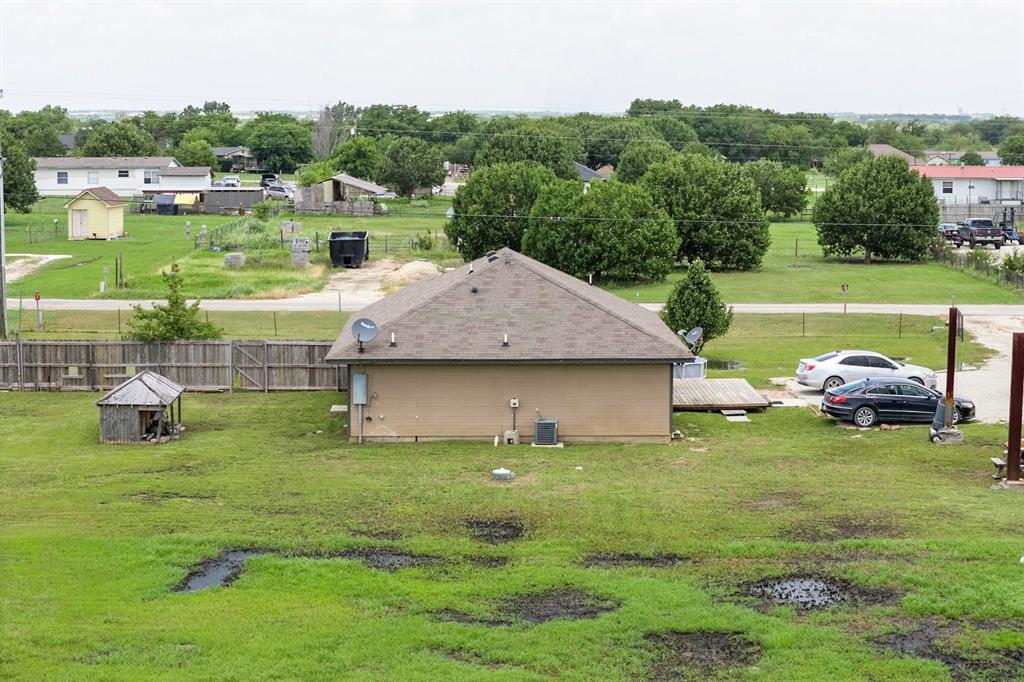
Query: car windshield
[{"x": 826, "y": 356}]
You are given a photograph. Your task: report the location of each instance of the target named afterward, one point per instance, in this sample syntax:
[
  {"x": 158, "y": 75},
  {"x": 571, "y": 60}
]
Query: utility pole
[{"x": 3, "y": 257}]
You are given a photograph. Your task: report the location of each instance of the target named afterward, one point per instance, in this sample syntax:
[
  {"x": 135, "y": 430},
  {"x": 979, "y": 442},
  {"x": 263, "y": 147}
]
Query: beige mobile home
[{"x": 504, "y": 341}]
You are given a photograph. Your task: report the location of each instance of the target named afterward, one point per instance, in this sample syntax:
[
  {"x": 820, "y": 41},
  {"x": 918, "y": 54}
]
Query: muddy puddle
[
  {"x": 841, "y": 528},
  {"x": 218, "y": 571},
  {"x": 614, "y": 560},
  {"x": 384, "y": 559},
  {"x": 937, "y": 640},
  {"x": 495, "y": 531},
  {"x": 815, "y": 592},
  {"x": 699, "y": 655},
  {"x": 538, "y": 607}
]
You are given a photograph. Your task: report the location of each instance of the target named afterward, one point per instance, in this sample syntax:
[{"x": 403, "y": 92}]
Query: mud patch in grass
[
  {"x": 937, "y": 640},
  {"x": 376, "y": 534},
  {"x": 218, "y": 571},
  {"x": 565, "y": 603},
  {"x": 841, "y": 528},
  {"x": 385, "y": 559},
  {"x": 613, "y": 560},
  {"x": 149, "y": 497},
  {"x": 496, "y": 531},
  {"x": 699, "y": 655},
  {"x": 470, "y": 657},
  {"x": 815, "y": 592},
  {"x": 785, "y": 500}
]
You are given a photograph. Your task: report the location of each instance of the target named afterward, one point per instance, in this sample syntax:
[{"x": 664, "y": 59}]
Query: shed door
[{"x": 79, "y": 223}]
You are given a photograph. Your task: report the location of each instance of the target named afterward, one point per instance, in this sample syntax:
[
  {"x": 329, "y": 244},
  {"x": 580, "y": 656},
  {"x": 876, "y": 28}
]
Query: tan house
[
  {"x": 501, "y": 342},
  {"x": 96, "y": 213}
]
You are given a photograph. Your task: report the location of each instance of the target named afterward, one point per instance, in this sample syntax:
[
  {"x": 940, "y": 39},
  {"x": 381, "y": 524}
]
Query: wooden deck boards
[{"x": 716, "y": 394}]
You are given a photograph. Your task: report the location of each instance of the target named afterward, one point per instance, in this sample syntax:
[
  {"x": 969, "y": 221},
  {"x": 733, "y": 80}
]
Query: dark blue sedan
[{"x": 870, "y": 401}]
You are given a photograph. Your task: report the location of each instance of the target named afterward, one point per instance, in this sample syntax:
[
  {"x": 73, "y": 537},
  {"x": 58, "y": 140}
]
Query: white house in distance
[
  {"x": 964, "y": 185},
  {"x": 67, "y": 176}
]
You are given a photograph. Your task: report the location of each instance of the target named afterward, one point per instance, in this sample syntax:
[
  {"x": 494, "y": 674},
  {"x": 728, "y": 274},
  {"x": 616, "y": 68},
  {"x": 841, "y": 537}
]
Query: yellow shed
[{"x": 96, "y": 213}]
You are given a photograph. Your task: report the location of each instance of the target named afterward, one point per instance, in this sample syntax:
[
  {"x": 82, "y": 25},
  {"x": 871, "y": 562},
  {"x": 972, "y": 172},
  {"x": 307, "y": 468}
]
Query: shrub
[
  {"x": 423, "y": 242},
  {"x": 173, "y": 321},
  {"x": 695, "y": 302},
  {"x": 263, "y": 210}
]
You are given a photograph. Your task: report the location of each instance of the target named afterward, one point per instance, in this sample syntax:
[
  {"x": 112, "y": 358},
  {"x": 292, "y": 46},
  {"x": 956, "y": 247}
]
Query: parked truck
[{"x": 975, "y": 231}]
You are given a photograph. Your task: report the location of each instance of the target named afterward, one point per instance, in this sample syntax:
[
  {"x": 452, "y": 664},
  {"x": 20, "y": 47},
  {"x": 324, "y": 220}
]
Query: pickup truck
[{"x": 976, "y": 231}]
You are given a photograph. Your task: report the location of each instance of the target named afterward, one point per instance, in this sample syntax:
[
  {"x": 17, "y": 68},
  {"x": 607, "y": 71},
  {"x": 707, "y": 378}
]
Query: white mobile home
[
  {"x": 969, "y": 185},
  {"x": 67, "y": 176}
]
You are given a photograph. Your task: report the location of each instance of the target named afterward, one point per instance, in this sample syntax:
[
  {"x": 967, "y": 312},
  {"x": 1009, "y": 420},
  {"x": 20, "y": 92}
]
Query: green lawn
[
  {"x": 794, "y": 271},
  {"x": 93, "y": 539},
  {"x": 154, "y": 242}
]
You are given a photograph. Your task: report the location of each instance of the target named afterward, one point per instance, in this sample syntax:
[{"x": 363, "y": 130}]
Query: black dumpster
[
  {"x": 165, "y": 204},
  {"x": 349, "y": 249}
]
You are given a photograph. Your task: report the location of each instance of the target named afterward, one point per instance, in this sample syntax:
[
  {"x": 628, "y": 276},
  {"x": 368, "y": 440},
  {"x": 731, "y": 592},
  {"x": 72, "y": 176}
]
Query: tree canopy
[
  {"x": 360, "y": 157},
  {"x": 1011, "y": 151},
  {"x": 716, "y": 208},
  {"x": 491, "y": 210},
  {"x": 613, "y": 232},
  {"x": 279, "y": 141},
  {"x": 546, "y": 142},
  {"x": 19, "y": 182},
  {"x": 783, "y": 188},
  {"x": 879, "y": 206},
  {"x": 410, "y": 163},
  {"x": 972, "y": 158},
  {"x": 640, "y": 155},
  {"x": 119, "y": 138},
  {"x": 695, "y": 302}
]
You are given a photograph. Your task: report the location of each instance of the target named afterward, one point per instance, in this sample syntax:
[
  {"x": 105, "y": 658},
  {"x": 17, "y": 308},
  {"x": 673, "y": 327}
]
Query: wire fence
[{"x": 981, "y": 264}]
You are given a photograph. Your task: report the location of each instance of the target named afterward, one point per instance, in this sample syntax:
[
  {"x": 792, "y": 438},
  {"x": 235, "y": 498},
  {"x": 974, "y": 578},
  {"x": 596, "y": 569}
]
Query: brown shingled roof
[
  {"x": 104, "y": 194},
  {"x": 549, "y": 316}
]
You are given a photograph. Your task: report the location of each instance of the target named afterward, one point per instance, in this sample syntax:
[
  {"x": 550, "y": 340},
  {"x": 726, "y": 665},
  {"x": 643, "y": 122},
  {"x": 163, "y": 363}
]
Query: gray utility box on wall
[
  {"x": 545, "y": 432},
  {"x": 358, "y": 388}
]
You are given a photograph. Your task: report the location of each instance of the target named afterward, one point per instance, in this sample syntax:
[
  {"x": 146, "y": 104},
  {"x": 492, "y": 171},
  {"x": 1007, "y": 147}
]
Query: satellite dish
[
  {"x": 365, "y": 330},
  {"x": 691, "y": 337}
]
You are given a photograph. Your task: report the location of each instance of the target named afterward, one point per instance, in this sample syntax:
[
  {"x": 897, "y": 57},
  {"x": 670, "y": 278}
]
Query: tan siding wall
[
  {"x": 613, "y": 402},
  {"x": 105, "y": 222}
]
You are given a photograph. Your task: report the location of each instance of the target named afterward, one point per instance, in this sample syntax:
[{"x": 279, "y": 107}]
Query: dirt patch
[
  {"x": 412, "y": 271},
  {"x": 565, "y": 602},
  {"x": 841, "y": 528},
  {"x": 787, "y": 500},
  {"x": 612, "y": 560},
  {"x": 376, "y": 534},
  {"x": 156, "y": 498},
  {"x": 384, "y": 559},
  {"x": 26, "y": 263},
  {"x": 815, "y": 592},
  {"x": 218, "y": 571},
  {"x": 699, "y": 655},
  {"x": 488, "y": 561},
  {"x": 470, "y": 657},
  {"x": 456, "y": 616},
  {"x": 495, "y": 531},
  {"x": 937, "y": 640}
]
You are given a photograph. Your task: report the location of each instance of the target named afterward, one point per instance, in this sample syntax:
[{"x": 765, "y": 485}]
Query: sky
[{"x": 865, "y": 57}]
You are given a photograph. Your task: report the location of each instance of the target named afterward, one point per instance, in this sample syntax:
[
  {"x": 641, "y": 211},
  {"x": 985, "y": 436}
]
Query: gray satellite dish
[
  {"x": 365, "y": 330},
  {"x": 691, "y": 337}
]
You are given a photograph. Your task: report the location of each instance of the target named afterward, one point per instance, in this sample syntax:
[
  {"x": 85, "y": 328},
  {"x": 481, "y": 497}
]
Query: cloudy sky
[{"x": 560, "y": 56}]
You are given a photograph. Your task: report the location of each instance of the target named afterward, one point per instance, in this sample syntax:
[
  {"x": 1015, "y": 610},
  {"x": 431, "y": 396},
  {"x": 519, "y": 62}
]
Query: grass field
[
  {"x": 794, "y": 271},
  {"x": 766, "y": 346},
  {"x": 94, "y": 539},
  {"x": 154, "y": 242}
]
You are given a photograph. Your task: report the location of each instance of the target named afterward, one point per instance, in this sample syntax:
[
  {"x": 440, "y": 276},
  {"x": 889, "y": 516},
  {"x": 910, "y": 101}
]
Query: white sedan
[{"x": 834, "y": 369}]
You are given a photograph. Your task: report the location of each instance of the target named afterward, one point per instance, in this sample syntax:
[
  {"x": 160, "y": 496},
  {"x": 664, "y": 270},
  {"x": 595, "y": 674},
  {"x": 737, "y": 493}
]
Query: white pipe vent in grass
[{"x": 502, "y": 474}]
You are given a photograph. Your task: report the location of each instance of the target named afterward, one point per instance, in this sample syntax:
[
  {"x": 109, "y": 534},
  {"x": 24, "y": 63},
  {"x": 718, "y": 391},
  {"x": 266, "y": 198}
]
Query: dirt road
[{"x": 24, "y": 263}]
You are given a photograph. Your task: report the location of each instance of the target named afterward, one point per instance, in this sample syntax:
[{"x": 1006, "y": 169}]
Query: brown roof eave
[{"x": 361, "y": 360}]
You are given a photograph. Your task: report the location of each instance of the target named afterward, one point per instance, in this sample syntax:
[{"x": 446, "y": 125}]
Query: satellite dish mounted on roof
[
  {"x": 691, "y": 337},
  {"x": 365, "y": 330}
]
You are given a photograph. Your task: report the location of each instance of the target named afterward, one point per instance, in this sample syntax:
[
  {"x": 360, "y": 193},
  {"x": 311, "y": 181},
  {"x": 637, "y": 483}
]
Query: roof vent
[
  {"x": 474, "y": 290},
  {"x": 492, "y": 252},
  {"x": 491, "y": 258}
]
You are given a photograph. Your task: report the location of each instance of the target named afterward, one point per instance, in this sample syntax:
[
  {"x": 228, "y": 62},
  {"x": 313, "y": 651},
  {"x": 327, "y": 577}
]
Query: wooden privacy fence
[{"x": 196, "y": 365}]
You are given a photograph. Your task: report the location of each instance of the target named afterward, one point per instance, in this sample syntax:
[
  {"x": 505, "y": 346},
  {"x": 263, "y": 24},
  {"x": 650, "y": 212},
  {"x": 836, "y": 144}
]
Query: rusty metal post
[
  {"x": 1016, "y": 402},
  {"x": 954, "y": 315}
]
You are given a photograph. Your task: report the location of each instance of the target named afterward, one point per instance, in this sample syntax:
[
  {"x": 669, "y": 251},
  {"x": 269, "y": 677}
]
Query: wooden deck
[{"x": 699, "y": 395}]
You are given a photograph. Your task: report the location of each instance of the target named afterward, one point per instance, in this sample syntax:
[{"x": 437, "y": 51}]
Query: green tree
[
  {"x": 410, "y": 163},
  {"x": 388, "y": 120},
  {"x": 315, "y": 172},
  {"x": 195, "y": 153},
  {"x": 491, "y": 210},
  {"x": 173, "y": 321},
  {"x": 879, "y": 206},
  {"x": 279, "y": 141},
  {"x": 119, "y": 138},
  {"x": 783, "y": 188},
  {"x": 1011, "y": 151},
  {"x": 695, "y": 302},
  {"x": 716, "y": 208},
  {"x": 613, "y": 232},
  {"x": 841, "y": 159},
  {"x": 546, "y": 142},
  {"x": 638, "y": 156},
  {"x": 972, "y": 159},
  {"x": 44, "y": 142},
  {"x": 360, "y": 157},
  {"x": 19, "y": 183}
]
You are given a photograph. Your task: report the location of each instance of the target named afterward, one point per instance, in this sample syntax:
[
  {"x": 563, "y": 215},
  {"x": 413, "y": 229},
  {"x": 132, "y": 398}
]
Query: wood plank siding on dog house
[{"x": 452, "y": 352}]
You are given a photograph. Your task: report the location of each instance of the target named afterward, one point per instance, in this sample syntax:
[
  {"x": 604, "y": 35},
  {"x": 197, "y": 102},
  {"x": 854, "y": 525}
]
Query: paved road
[{"x": 329, "y": 300}]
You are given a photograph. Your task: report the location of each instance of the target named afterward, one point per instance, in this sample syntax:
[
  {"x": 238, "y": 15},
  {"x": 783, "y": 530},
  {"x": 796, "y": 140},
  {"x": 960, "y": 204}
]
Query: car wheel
[
  {"x": 974, "y": 244},
  {"x": 998, "y": 246},
  {"x": 865, "y": 416},
  {"x": 919, "y": 381},
  {"x": 956, "y": 415},
  {"x": 832, "y": 382}
]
